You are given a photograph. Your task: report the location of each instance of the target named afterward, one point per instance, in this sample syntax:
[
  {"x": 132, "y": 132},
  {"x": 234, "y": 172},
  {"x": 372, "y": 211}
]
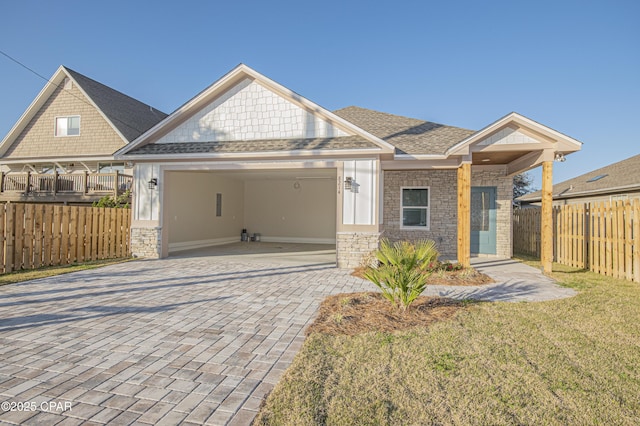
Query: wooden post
[
  {"x": 464, "y": 214},
  {"x": 85, "y": 183},
  {"x": 1, "y": 181},
  {"x": 546, "y": 224},
  {"x": 55, "y": 180},
  {"x": 26, "y": 188},
  {"x": 115, "y": 184}
]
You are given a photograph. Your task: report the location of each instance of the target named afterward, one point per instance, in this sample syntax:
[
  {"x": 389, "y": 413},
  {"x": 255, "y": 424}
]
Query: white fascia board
[
  {"x": 221, "y": 83},
  {"x": 33, "y": 108},
  {"x": 243, "y": 155},
  {"x": 248, "y": 165},
  {"x": 307, "y": 104},
  {"x": 573, "y": 144}
]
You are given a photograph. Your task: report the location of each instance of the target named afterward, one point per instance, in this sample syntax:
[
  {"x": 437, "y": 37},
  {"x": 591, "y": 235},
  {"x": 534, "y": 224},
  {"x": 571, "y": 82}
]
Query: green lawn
[
  {"x": 32, "y": 274},
  {"x": 572, "y": 361}
]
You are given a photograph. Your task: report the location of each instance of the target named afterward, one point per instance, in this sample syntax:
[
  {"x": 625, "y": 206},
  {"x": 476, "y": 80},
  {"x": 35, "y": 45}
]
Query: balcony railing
[{"x": 77, "y": 183}]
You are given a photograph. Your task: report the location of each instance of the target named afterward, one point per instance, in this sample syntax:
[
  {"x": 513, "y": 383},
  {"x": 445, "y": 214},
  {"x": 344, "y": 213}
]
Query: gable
[
  {"x": 508, "y": 136},
  {"x": 250, "y": 111},
  {"x": 37, "y": 139}
]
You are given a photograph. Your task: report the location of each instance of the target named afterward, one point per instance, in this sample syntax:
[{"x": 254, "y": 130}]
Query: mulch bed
[{"x": 356, "y": 313}]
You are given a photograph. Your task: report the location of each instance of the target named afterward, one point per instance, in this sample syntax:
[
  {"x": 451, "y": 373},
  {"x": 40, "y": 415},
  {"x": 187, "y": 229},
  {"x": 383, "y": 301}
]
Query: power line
[
  {"x": 24, "y": 66},
  {"x": 62, "y": 88}
]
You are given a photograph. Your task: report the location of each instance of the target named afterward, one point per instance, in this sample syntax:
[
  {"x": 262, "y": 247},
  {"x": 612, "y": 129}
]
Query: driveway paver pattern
[
  {"x": 184, "y": 340},
  {"x": 179, "y": 340}
]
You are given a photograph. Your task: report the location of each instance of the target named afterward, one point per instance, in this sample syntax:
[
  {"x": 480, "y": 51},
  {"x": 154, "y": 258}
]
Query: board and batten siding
[{"x": 359, "y": 204}]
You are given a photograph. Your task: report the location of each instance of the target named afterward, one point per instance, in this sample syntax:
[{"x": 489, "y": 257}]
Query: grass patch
[
  {"x": 570, "y": 361},
  {"x": 32, "y": 274}
]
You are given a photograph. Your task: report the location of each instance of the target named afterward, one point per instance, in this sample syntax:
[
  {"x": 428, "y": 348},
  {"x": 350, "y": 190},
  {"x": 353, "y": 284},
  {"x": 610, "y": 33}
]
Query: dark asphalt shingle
[
  {"x": 266, "y": 145},
  {"x": 407, "y": 135},
  {"x": 130, "y": 116}
]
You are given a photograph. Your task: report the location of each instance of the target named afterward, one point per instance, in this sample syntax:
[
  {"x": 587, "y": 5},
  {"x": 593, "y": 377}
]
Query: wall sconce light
[
  {"x": 153, "y": 183},
  {"x": 559, "y": 157},
  {"x": 348, "y": 183}
]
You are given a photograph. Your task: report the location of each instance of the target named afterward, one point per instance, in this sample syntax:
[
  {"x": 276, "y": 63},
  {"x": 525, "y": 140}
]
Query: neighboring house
[
  {"x": 249, "y": 153},
  {"x": 615, "y": 182},
  {"x": 61, "y": 149}
]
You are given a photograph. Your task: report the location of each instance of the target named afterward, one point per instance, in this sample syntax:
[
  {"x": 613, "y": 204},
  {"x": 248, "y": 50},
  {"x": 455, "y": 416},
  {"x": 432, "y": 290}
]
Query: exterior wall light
[
  {"x": 559, "y": 157},
  {"x": 348, "y": 183},
  {"x": 153, "y": 183}
]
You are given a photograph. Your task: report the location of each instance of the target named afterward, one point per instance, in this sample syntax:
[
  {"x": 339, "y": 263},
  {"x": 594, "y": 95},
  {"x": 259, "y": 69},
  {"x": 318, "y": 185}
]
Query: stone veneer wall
[
  {"x": 504, "y": 201},
  {"x": 351, "y": 247},
  {"x": 443, "y": 213},
  {"x": 146, "y": 242}
]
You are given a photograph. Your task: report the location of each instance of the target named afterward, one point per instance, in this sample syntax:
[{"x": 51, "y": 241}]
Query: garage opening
[{"x": 286, "y": 210}]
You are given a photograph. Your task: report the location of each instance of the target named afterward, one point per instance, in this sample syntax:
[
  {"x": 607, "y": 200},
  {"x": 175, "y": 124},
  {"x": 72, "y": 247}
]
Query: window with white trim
[
  {"x": 414, "y": 207},
  {"x": 68, "y": 126}
]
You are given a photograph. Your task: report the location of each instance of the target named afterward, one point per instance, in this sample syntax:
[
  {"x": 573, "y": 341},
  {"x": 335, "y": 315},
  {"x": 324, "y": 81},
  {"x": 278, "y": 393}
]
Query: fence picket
[
  {"x": 18, "y": 255},
  {"x": 36, "y": 235},
  {"x": 10, "y": 232},
  {"x": 47, "y": 234},
  {"x": 2, "y": 238},
  {"x": 603, "y": 237},
  {"x": 636, "y": 240}
]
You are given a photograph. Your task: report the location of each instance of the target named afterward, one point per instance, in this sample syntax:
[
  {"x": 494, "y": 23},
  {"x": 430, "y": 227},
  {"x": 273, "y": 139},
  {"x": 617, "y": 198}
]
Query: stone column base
[
  {"x": 351, "y": 247},
  {"x": 146, "y": 242}
]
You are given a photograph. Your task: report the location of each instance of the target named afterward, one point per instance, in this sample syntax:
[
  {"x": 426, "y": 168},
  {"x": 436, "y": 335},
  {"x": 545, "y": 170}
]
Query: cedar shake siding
[{"x": 37, "y": 140}]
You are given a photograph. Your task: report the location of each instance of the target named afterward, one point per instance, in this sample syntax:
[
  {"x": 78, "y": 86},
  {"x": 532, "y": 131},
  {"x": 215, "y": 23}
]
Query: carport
[{"x": 210, "y": 208}]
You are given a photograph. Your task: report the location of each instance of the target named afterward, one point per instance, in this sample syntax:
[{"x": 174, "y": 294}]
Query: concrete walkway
[
  {"x": 515, "y": 282},
  {"x": 185, "y": 340}
]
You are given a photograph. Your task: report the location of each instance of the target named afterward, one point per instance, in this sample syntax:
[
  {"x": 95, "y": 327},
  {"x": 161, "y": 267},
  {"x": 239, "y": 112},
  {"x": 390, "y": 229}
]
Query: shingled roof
[
  {"x": 614, "y": 178},
  {"x": 408, "y": 135},
  {"x": 267, "y": 145},
  {"x": 130, "y": 116}
]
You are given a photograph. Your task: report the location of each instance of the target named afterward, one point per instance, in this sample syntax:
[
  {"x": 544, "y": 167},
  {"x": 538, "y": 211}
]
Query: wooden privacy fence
[
  {"x": 36, "y": 235},
  {"x": 601, "y": 237}
]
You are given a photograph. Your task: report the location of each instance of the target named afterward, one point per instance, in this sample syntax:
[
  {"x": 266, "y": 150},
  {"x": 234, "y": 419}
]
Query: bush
[
  {"x": 402, "y": 272},
  {"x": 119, "y": 202}
]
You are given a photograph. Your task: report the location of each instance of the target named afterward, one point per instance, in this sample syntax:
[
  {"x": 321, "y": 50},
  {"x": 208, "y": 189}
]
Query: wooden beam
[
  {"x": 546, "y": 223},
  {"x": 464, "y": 214}
]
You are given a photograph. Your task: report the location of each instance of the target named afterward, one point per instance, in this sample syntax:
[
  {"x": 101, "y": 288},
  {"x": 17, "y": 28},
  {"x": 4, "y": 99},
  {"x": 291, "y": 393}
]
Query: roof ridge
[
  {"x": 76, "y": 73},
  {"x": 398, "y": 116}
]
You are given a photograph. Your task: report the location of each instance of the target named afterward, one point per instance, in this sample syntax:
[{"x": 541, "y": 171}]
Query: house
[
  {"x": 61, "y": 149},
  {"x": 615, "y": 182},
  {"x": 250, "y": 153}
]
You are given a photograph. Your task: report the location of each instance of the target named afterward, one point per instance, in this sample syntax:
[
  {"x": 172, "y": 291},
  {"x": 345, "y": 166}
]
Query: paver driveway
[{"x": 193, "y": 339}]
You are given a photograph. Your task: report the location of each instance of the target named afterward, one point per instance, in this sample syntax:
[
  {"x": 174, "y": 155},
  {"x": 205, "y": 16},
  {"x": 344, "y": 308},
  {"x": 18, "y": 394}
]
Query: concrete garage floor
[{"x": 262, "y": 252}]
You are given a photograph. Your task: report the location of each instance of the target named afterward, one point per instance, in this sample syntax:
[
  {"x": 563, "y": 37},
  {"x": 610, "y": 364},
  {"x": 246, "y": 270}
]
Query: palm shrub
[{"x": 402, "y": 272}]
